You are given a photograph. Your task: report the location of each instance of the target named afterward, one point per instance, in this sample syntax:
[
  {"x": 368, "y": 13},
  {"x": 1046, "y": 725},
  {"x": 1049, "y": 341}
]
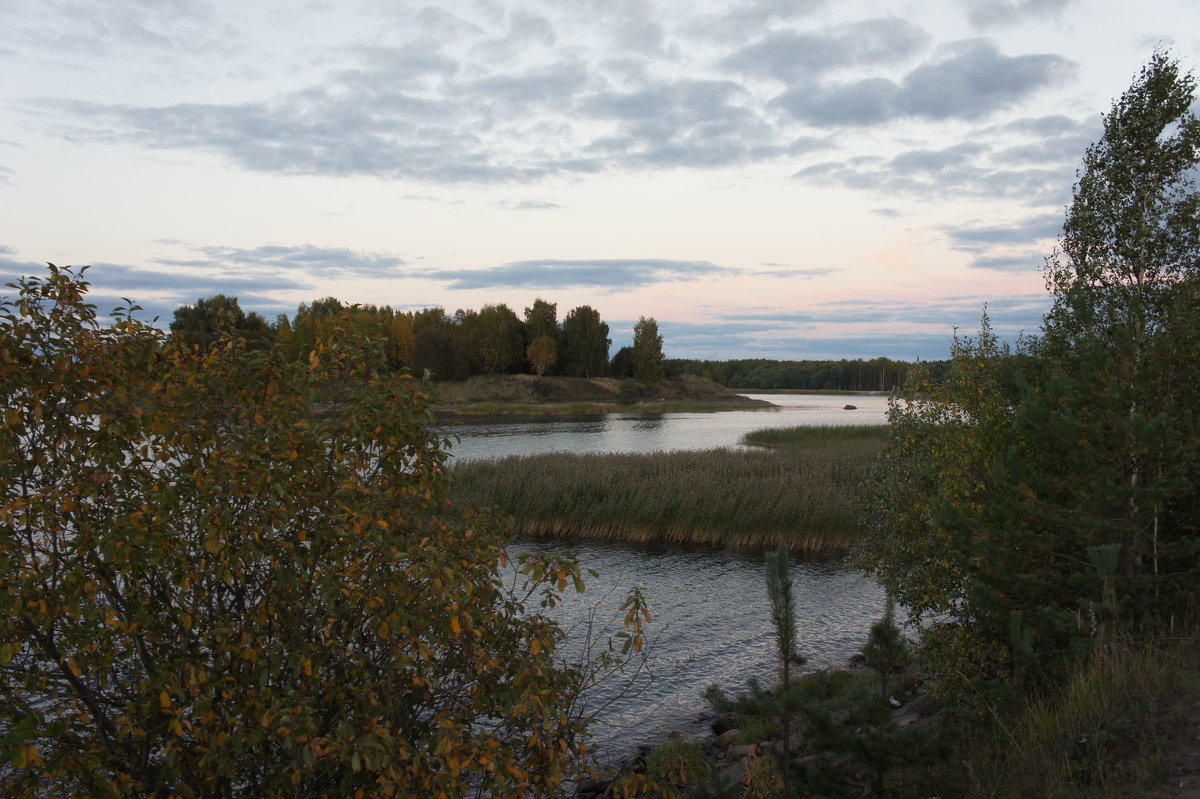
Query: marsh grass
[
  {"x": 866, "y": 439},
  {"x": 1112, "y": 730},
  {"x": 805, "y": 500}
]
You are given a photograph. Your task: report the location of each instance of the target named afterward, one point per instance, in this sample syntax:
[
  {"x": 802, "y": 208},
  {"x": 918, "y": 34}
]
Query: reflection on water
[
  {"x": 632, "y": 432},
  {"x": 711, "y": 625}
]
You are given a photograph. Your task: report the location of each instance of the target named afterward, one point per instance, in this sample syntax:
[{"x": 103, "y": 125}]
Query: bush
[{"x": 212, "y": 586}]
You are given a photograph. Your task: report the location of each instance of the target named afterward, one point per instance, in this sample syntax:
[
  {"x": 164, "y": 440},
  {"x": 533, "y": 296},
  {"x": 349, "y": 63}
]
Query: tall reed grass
[
  {"x": 864, "y": 439},
  {"x": 720, "y": 497}
]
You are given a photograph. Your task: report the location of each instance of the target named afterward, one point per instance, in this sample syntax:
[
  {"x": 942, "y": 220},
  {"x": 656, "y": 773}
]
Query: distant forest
[
  {"x": 877, "y": 374},
  {"x": 495, "y": 340}
]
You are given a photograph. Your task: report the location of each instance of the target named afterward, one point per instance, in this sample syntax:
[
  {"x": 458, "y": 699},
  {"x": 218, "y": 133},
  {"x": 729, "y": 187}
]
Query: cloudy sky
[{"x": 768, "y": 178}]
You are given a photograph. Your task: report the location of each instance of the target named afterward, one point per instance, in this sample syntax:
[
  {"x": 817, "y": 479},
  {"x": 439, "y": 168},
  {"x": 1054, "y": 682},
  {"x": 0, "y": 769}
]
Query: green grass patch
[{"x": 718, "y": 497}]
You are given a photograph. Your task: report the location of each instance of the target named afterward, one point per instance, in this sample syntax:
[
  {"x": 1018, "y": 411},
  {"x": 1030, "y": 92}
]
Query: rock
[
  {"x": 723, "y": 724},
  {"x": 849, "y": 407},
  {"x": 734, "y": 773},
  {"x": 728, "y": 737},
  {"x": 743, "y": 750},
  {"x": 592, "y": 789}
]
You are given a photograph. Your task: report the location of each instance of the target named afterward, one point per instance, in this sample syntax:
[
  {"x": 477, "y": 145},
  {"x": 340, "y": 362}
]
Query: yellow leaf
[
  {"x": 535, "y": 646},
  {"x": 164, "y": 700},
  {"x": 456, "y": 628}
]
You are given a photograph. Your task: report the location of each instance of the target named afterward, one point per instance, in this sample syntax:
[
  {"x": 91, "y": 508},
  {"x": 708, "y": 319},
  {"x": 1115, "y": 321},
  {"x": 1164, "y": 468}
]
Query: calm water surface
[
  {"x": 631, "y": 432},
  {"x": 710, "y": 608}
]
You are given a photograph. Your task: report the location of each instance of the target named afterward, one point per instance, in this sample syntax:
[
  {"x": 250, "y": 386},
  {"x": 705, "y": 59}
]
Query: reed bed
[
  {"x": 865, "y": 439},
  {"x": 717, "y": 497}
]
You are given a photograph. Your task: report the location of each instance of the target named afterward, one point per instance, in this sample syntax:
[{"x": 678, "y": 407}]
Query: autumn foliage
[{"x": 211, "y": 585}]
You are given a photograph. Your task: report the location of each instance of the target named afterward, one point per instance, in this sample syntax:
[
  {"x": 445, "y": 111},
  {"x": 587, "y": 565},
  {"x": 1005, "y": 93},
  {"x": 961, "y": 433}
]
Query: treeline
[
  {"x": 490, "y": 341},
  {"x": 877, "y": 374}
]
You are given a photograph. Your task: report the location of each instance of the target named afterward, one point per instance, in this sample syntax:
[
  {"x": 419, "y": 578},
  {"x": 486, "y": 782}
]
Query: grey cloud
[
  {"x": 1007, "y": 248},
  {"x": 1029, "y": 262},
  {"x": 792, "y": 273},
  {"x": 108, "y": 27},
  {"x": 1050, "y": 126},
  {"x": 972, "y": 81},
  {"x": 404, "y": 65},
  {"x": 977, "y": 80},
  {"x": 527, "y": 27},
  {"x": 955, "y": 171},
  {"x": 559, "y": 274},
  {"x": 999, "y": 13},
  {"x": 159, "y": 292},
  {"x": 685, "y": 123},
  {"x": 162, "y": 311},
  {"x": 1009, "y": 314},
  {"x": 791, "y": 55},
  {"x": 938, "y": 161},
  {"x": 12, "y": 270},
  {"x": 722, "y": 340},
  {"x": 750, "y": 17},
  {"x": 865, "y": 102},
  {"x": 184, "y": 284},
  {"x": 537, "y": 88},
  {"x": 482, "y": 131},
  {"x": 530, "y": 205},
  {"x": 279, "y": 259},
  {"x": 978, "y": 238},
  {"x": 6, "y": 176}
]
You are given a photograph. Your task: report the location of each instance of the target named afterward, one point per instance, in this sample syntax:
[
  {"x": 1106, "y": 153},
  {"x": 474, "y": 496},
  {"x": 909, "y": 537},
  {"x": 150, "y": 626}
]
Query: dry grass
[
  {"x": 804, "y": 499},
  {"x": 1113, "y": 730}
]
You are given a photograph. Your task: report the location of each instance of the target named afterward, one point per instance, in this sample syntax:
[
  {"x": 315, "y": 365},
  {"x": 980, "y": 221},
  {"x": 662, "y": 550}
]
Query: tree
[
  {"x": 783, "y": 619},
  {"x": 439, "y": 347},
  {"x": 541, "y": 319},
  {"x": 621, "y": 366},
  {"x": 213, "y": 587},
  {"x": 217, "y": 317},
  {"x": 1039, "y": 499},
  {"x": 496, "y": 338},
  {"x": 542, "y": 354},
  {"x": 647, "y": 351},
  {"x": 1124, "y": 291},
  {"x": 585, "y": 343}
]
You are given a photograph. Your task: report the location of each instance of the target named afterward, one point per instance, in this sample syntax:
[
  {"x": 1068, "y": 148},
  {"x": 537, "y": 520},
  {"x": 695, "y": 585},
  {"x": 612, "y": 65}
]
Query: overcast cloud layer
[{"x": 764, "y": 177}]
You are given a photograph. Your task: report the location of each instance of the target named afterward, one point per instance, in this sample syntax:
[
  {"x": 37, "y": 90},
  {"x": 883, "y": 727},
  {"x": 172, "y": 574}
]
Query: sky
[{"x": 789, "y": 179}]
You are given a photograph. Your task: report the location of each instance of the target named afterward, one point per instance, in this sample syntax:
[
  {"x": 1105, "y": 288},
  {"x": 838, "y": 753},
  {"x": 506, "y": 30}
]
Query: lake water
[
  {"x": 632, "y": 432},
  {"x": 711, "y": 625},
  {"x": 710, "y": 607}
]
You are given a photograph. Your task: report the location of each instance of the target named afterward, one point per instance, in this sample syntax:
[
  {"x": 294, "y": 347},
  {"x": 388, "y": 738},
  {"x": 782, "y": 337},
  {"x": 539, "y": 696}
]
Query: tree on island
[
  {"x": 585, "y": 343},
  {"x": 217, "y": 317},
  {"x": 647, "y": 351}
]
